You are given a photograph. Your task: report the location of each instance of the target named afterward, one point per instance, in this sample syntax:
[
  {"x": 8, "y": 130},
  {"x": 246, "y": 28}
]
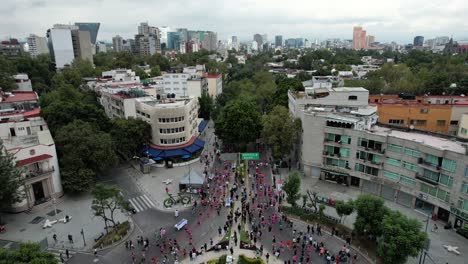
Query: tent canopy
[{"x": 192, "y": 178}]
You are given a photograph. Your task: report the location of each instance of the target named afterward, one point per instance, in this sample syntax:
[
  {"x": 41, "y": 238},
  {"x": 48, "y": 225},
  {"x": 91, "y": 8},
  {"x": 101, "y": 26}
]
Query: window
[
  {"x": 396, "y": 121},
  {"x": 424, "y": 110},
  {"x": 412, "y": 152},
  {"x": 431, "y": 175},
  {"x": 344, "y": 152},
  {"x": 466, "y": 171},
  {"x": 454, "y": 122},
  {"x": 418, "y": 122},
  {"x": 352, "y": 98},
  {"x": 391, "y": 175},
  {"x": 464, "y": 187},
  {"x": 428, "y": 189},
  {"x": 411, "y": 166},
  {"x": 440, "y": 123},
  {"x": 443, "y": 195},
  {"x": 394, "y": 148},
  {"x": 463, "y": 204},
  {"x": 393, "y": 162},
  {"x": 446, "y": 180},
  {"x": 407, "y": 180},
  {"x": 449, "y": 165},
  {"x": 433, "y": 160}
]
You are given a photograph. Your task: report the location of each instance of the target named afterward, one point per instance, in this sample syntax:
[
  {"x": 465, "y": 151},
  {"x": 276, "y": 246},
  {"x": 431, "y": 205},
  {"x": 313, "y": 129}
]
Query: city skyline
[{"x": 396, "y": 21}]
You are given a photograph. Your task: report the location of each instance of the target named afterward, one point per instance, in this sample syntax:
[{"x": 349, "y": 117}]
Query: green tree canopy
[
  {"x": 344, "y": 209},
  {"x": 370, "y": 213},
  {"x": 239, "y": 122},
  {"x": 7, "y": 69},
  {"x": 10, "y": 177},
  {"x": 279, "y": 131},
  {"x": 30, "y": 253},
  {"x": 128, "y": 135},
  {"x": 107, "y": 200},
  {"x": 401, "y": 237},
  {"x": 206, "y": 105},
  {"x": 292, "y": 187},
  {"x": 83, "y": 150},
  {"x": 283, "y": 86}
]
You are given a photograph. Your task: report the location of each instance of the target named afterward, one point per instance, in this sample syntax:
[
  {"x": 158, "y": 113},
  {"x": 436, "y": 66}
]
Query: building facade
[
  {"x": 418, "y": 41},
  {"x": 10, "y": 48},
  {"x": 117, "y": 43},
  {"x": 25, "y": 134},
  {"x": 92, "y": 28},
  {"x": 278, "y": 41},
  {"x": 215, "y": 84},
  {"x": 37, "y": 45}
]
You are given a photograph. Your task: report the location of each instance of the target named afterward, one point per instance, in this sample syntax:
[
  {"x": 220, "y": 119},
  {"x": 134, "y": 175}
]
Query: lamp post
[
  {"x": 82, "y": 234},
  {"x": 424, "y": 250},
  {"x": 54, "y": 201}
]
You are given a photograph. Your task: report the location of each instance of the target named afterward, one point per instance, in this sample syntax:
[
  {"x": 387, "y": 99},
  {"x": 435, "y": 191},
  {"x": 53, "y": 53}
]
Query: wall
[
  {"x": 62, "y": 47},
  {"x": 463, "y": 126}
]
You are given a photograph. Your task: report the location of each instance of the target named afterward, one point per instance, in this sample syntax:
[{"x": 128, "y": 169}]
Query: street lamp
[{"x": 82, "y": 234}]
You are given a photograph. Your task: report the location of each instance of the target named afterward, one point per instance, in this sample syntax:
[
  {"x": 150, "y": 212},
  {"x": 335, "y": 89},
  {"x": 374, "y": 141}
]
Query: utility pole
[{"x": 424, "y": 251}]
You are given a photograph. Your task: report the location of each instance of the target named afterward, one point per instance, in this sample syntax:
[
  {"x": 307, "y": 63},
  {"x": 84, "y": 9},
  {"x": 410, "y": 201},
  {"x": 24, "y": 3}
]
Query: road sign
[{"x": 250, "y": 156}]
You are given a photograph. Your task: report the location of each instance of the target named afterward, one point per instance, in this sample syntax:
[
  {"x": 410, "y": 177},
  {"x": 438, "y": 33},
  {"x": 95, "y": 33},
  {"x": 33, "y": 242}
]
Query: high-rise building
[
  {"x": 418, "y": 41},
  {"x": 147, "y": 42},
  {"x": 369, "y": 40},
  {"x": 235, "y": 43},
  {"x": 82, "y": 45},
  {"x": 129, "y": 46},
  {"x": 264, "y": 38},
  {"x": 278, "y": 41},
  {"x": 143, "y": 28},
  {"x": 37, "y": 45},
  {"x": 210, "y": 41},
  {"x": 10, "y": 48},
  {"x": 92, "y": 28},
  {"x": 61, "y": 45},
  {"x": 359, "y": 38},
  {"x": 299, "y": 42},
  {"x": 101, "y": 47},
  {"x": 259, "y": 40},
  {"x": 117, "y": 43},
  {"x": 163, "y": 31},
  {"x": 173, "y": 40}
]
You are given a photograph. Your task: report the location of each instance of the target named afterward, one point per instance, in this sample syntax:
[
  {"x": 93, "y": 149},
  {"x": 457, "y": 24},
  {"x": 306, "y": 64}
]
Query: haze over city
[{"x": 388, "y": 21}]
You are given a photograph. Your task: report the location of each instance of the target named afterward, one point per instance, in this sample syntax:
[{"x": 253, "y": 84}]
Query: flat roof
[
  {"x": 20, "y": 96},
  {"x": 349, "y": 89},
  {"x": 428, "y": 140}
]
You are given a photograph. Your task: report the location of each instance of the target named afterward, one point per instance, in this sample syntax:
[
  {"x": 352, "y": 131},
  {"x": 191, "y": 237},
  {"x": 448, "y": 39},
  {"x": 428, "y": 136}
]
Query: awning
[
  {"x": 31, "y": 160},
  {"x": 186, "y": 156},
  {"x": 202, "y": 125},
  {"x": 197, "y": 145},
  {"x": 169, "y": 153}
]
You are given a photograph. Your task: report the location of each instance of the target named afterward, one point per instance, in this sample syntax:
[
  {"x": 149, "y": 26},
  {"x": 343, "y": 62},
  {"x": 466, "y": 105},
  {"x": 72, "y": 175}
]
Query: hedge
[
  {"x": 246, "y": 260},
  {"x": 114, "y": 235}
]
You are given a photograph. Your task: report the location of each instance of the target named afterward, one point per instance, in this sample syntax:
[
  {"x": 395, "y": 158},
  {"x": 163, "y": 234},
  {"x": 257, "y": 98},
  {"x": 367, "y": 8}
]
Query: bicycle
[{"x": 184, "y": 199}]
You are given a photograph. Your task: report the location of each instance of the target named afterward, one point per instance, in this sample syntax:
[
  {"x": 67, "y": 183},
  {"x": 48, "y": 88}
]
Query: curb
[{"x": 130, "y": 232}]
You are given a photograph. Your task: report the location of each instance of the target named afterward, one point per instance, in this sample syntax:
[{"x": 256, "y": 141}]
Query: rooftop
[
  {"x": 428, "y": 140},
  {"x": 18, "y": 96}
]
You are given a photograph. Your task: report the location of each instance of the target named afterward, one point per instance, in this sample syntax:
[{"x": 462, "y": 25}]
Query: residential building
[
  {"x": 362, "y": 70},
  {"x": 235, "y": 43},
  {"x": 434, "y": 113},
  {"x": 173, "y": 40},
  {"x": 210, "y": 41},
  {"x": 341, "y": 143},
  {"x": 92, "y": 28},
  {"x": 278, "y": 41},
  {"x": 147, "y": 44},
  {"x": 359, "y": 39},
  {"x": 215, "y": 84},
  {"x": 290, "y": 43},
  {"x": 82, "y": 46},
  {"x": 37, "y": 45},
  {"x": 259, "y": 41},
  {"x": 418, "y": 41},
  {"x": 323, "y": 82},
  {"x": 23, "y": 82},
  {"x": 369, "y": 40},
  {"x": 129, "y": 46},
  {"x": 25, "y": 135},
  {"x": 101, "y": 47},
  {"x": 10, "y": 48},
  {"x": 118, "y": 43},
  {"x": 463, "y": 127}
]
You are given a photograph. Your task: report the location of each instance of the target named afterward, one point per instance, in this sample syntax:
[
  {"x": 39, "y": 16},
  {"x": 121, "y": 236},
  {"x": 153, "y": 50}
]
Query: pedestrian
[
  {"x": 70, "y": 238},
  {"x": 55, "y": 238},
  {"x": 126, "y": 244},
  {"x": 434, "y": 229},
  {"x": 61, "y": 258},
  {"x": 211, "y": 241},
  {"x": 67, "y": 253},
  {"x": 176, "y": 213},
  {"x": 95, "y": 253},
  {"x": 231, "y": 249},
  {"x": 167, "y": 190},
  {"x": 267, "y": 256}
]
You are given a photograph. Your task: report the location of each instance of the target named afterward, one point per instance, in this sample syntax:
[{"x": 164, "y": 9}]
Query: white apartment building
[
  {"x": 37, "y": 45},
  {"x": 61, "y": 46},
  {"x": 342, "y": 144},
  {"x": 117, "y": 43},
  {"x": 215, "y": 84},
  {"x": 26, "y": 135},
  {"x": 23, "y": 82},
  {"x": 362, "y": 70},
  {"x": 323, "y": 82}
]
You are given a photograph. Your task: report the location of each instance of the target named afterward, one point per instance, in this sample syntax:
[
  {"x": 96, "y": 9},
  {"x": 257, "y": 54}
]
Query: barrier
[{"x": 181, "y": 224}]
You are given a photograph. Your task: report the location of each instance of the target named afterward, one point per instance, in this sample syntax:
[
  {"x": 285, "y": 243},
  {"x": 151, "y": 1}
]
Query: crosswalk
[
  {"x": 141, "y": 203},
  {"x": 56, "y": 254}
]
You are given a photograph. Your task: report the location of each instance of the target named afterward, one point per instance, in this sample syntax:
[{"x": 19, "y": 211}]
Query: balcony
[
  {"x": 38, "y": 172},
  {"x": 380, "y": 151},
  {"x": 426, "y": 180},
  {"x": 428, "y": 165}
]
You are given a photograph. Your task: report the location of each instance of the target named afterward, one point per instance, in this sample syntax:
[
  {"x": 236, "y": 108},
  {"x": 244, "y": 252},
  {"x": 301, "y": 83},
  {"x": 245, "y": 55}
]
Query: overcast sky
[{"x": 387, "y": 20}]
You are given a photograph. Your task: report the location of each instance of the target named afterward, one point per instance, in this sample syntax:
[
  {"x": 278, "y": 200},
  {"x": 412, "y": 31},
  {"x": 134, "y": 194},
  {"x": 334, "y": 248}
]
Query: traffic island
[{"x": 115, "y": 235}]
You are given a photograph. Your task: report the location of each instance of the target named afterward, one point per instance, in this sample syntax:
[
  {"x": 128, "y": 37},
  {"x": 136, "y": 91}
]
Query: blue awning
[
  {"x": 202, "y": 125},
  {"x": 151, "y": 152},
  {"x": 196, "y": 146},
  {"x": 169, "y": 153},
  {"x": 186, "y": 156}
]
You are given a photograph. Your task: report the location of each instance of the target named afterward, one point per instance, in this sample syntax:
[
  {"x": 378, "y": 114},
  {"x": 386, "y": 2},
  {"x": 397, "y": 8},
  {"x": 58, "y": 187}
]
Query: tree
[
  {"x": 155, "y": 71},
  {"x": 344, "y": 209},
  {"x": 279, "y": 131},
  {"x": 140, "y": 73},
  {"x": 106, "y": 200},
  {"x": 284, "y": 85},
  {"x": 128, "y": 135},
  {"x": 7, "y": 69},
  {"x": 370, "y": 213},
  {"x": 206, "y": 105},
  {"x": 27, "y": 253},
  {"x": 401, "y": 237},
  {"x": 292, "y": 187},
  {"x": 313, "y": 200},
  {"x": 239, "y": 122},
  {"x": 84, "y": 151},
  {"x": 10, "y": 177},
  {"x": 84, "y": 67}
]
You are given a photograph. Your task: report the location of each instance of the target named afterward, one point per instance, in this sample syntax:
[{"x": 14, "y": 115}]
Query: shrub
[
  {"x": 463, "y": 232},
  {"x": 245, "y": 260},
  {"x": 115, "y": 234}
]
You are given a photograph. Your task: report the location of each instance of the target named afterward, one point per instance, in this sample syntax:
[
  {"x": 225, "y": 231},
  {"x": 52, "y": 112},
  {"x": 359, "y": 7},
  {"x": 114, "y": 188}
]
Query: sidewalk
[
  {"x": 443, "y": 237},
  {"x": 25, "y": 227}
]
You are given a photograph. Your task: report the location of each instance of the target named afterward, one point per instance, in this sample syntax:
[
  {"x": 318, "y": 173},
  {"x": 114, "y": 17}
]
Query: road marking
[
  {"x": 143, "y": 202},
  {"x": 137, "y": 208},
  {"x": 149, "y": 200}
]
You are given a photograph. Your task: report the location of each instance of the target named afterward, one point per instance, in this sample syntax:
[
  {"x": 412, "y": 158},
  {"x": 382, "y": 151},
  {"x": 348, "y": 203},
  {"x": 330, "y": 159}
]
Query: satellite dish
[{"x": 411, "y": 127}]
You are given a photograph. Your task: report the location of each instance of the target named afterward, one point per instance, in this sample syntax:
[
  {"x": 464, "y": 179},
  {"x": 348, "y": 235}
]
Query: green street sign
[{"x": 250, "y": 156}]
